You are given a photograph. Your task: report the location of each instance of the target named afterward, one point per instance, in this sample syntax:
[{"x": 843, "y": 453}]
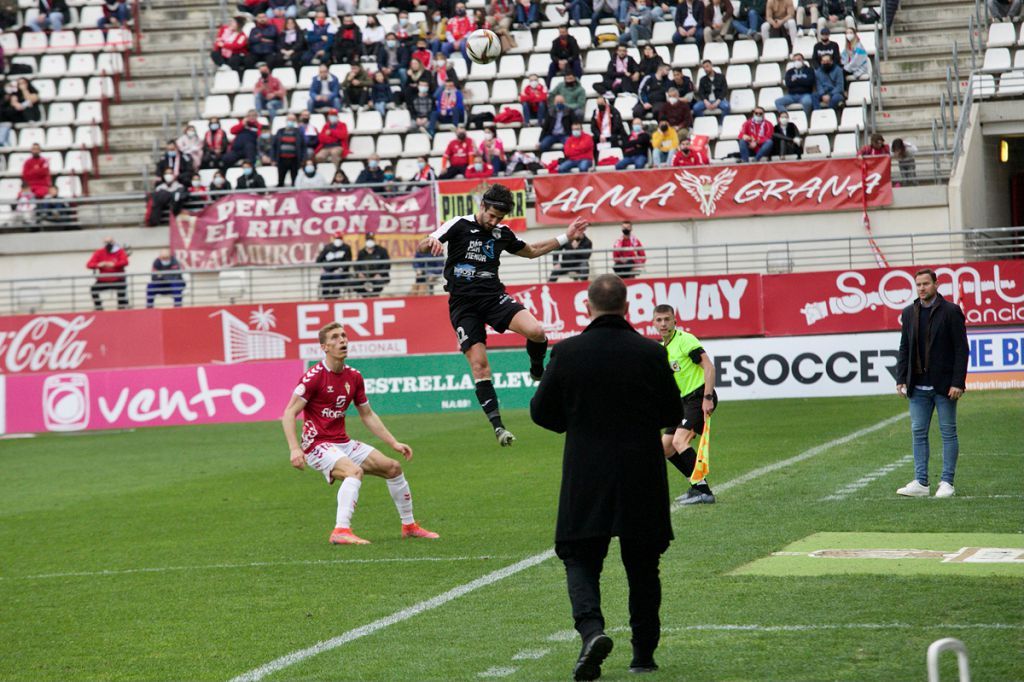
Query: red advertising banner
[
  {"x": 462, "y": 197},
  {"x": 991, "y": 293},
  {"x": 715, "y": 191},
  {"x": 291, "y": 227}
]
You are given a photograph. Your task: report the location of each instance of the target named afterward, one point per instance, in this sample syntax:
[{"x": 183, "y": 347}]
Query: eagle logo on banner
[{"x": 705, "y": 189}]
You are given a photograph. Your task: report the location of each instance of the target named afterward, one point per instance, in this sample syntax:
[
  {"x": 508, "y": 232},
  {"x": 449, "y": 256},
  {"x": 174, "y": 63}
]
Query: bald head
[{"x": 606, "y": 295}]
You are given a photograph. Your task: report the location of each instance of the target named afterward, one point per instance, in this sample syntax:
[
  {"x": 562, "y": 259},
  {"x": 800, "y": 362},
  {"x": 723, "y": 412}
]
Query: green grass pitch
[{"x": 197, "y": 553}]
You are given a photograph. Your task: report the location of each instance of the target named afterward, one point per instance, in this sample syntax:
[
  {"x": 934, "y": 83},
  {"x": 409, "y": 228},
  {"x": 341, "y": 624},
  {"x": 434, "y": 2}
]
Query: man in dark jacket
[
  {"x": 712, "y": 98},
  {"x": 336, "y": 278},
  {"x": 250, "y": 179},
  {"x": 800, "y": 85},
  {"x": 635, "y": 148},
  {"x": 622, "y": 74},
  {"x": 931, "y": 371},
  {"x": 565, "y": 55},
  {"x": 262, "y": 43},
  {"x": 289, "y": 150},
  {"x": 573, "y": 260},
  {"x": 373, "y": 269},
  {"x": 613, "y": 470},
  {"x": 653, "y": 94},
  {"x": 557, "y": 125},
  {"x": 689, "y": 23}
]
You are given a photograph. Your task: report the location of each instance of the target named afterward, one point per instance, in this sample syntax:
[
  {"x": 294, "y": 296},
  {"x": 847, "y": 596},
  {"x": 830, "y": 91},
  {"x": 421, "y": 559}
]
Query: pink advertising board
[{"x": 148, "y": 396}]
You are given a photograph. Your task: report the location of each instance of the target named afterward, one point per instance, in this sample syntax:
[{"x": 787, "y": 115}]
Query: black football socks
[
  {"x": 488, "y": 399},
  {"x": 684, "y": 461},
  {"x": 537, "y": 352}
]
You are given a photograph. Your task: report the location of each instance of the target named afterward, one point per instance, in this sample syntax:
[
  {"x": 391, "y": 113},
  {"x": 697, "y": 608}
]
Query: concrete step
[
  {"x": 930, "y": 4},
  {"x": 156, "y": 90},
  {"x": 128, "y": 114},
  {"x": 903, "y": 51},
  {"x": 117, "y": 185},
  {"x": 905, "y": 119},
  {"x": 936, "y": 41},
  {"x": 197, "y": 22},
  {"x": 110, "y": 214},
  {"x": 911, "y": 15},
  {"x": 184, "y": 43},
  {"x": 166, "y": 18},
  {"x": 908, "y": 67}
]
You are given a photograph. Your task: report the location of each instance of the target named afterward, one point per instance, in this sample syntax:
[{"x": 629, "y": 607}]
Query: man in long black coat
[{"x": 611, "y": 392}]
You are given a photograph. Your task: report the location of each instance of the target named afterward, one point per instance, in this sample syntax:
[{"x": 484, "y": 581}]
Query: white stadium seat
[
  {"x": 60, "y": 113},
  {"x": 738, "y": 76},
  {"x": 725, "y": 149},
  {"x": 52, "y": 66},
  {"x": 1011, "y": 83},
  {"x": 823, "y": 121},
  {"x": 71, "y": 90},
  {"x": 744, "y": 52},
  {"x": 81, "y": 65},
  {"x": 361, "y": 147},
  {"x": 504, "y": 91},
  {"x": 217, "y": 105},
  {"x": 718, "y": 53},
  {"x": 1001, "y": 35},
  {"x": 817, "y": 147},
  {"x": 845, "y": 145},
  {"x": 997, "y": 60},
  {"x": 707, "y": 126},
  {"x": 852, "y": 119},
  {"x": 742, "y": 101},
  {"x": 731, "y": 125},
  {"x": 767, "y": 75}
]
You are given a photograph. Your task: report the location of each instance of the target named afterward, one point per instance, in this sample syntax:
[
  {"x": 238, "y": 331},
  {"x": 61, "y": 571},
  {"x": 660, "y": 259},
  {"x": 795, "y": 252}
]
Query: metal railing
[{"x": 303, "y": 282}]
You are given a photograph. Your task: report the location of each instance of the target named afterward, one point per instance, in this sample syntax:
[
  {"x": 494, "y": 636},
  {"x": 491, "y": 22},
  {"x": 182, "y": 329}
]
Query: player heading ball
[{"x": 477, "y": 297}]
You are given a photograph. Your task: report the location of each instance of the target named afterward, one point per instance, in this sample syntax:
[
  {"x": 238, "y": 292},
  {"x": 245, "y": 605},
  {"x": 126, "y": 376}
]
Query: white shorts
[{"x": 324, "y": 456}]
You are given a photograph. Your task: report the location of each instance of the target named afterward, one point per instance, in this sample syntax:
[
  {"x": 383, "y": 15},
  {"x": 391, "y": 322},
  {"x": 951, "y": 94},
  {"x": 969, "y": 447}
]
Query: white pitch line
[
  {"x": 255, "y": 564},
  {"x": 495, "y": 576},
  {"x": 863, "y": 482},
  {"x": 531, "y": 654},
  {"x": 562, "y": 636},
  {"x": 497, "y": 671}
]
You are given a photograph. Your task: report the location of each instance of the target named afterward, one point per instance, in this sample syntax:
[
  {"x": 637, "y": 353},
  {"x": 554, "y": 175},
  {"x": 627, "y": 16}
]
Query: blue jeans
[
  {"x": 54, "y": 21},
  {"x": 763, "y": 151},
  {"x": 662, "y": 158},
  {"x": 698, "y": 37},
  {"x": 638, "y": 161},
  {"x": 122, "y": 14},
  {"x": 549, "y": 141},
  {"x": 806, "y": 101},
  {"x": 567, "y": 165},
  {"x": 922, "y": 403},
  {"x": 529, "y": 16},
  {"x": 622, "y": 13},
  {"x": 542, "y": 113},
  {"x": 165, "y": 288},
  {"x": 723, "y": 109},
  {"x": 633, "y": 34},
  {"x": 579, "y": 10},
  {"x": 382, "y": 108},
  {"x": 749, "y": 27},
  {"x": 272, "y": 106},
  {"x": 330, "y": 103},
  {"x": 834, "y": 103}
]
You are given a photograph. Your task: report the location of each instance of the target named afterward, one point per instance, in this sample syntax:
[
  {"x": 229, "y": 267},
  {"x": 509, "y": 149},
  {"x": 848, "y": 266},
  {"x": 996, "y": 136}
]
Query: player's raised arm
[
  {"x": 291, "y": 413},
  {"x": 576, "y": 229},
  {"x": 376, "y": 426}
]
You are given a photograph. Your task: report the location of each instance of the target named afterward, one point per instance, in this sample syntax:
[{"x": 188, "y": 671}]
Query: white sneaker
[
  {"x": 945, "y": 490},
  {"x": 914, "y": 489}
]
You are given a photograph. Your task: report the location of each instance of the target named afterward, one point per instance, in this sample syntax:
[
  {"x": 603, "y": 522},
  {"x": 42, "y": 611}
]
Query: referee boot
[
  {"x": 595, "y": 650},
  {"x": 696, "y": 496},
  {"x": 504, "y": 436}
]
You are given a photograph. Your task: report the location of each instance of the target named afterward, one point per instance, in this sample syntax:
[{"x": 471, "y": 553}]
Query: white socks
[
  {"x": 348, "y": 494},
  {"x": 399, "y": 489}
]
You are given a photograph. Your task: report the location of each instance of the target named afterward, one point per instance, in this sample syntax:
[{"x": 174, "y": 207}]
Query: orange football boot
[
  {"x": 345, "y": 536},
  {"x": 413, "y": 530}
]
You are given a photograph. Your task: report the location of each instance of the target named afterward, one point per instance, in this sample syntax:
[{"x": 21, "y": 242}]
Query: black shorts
[
  {"x": 470, "y": 314},
  {"x": 693, "y": 412}
]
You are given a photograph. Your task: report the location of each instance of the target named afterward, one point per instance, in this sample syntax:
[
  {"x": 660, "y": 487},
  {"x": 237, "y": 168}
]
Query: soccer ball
[{"x": 483, "y": 46}]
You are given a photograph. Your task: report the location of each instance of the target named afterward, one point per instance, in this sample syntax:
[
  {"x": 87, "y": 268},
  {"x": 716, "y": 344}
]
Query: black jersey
[{"x": 474, "y": 251}]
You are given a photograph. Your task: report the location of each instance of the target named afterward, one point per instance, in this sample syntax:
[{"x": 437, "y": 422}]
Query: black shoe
[
  {"x": 595, "y": 650},
  {"x": 645, "y": 667}
]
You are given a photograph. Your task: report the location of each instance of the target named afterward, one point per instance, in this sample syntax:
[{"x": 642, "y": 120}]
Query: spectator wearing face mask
[
  {"x": 628, "y": 255},
  {"x": 854, "y": 58},
  {"x": 686, "y": 156},
  {"x": 638, "y": 25},
  {"x": 289, "y": 150},
  {"x": 169, "y": 198},
  {"x": 197, "y": 193},
  {"x": 269, "y": 92},
  {"x": 262, "y": 42},
  {"x": 265, "y": 148},
  {"x": 786, "y": 139},
  {"x": 373, "y": 269},
  {"x": 664, "y": 142},
  {"x": 308, "y": 132},
  {"x": 635, "y": 148},
  {"x": 324, "y": 91},
  {"x": 451, "y": 108},
  {"x": 191, "y": 146},
  {"x": 437, "y": 31},
  {"x": 756, "y": 134},
  {"x": 357, "y": 84},
  {"x": 291, "y": 43},
  {"x": 801, "y": 84},
  {"x": 333, "y": 140},
  {"x": 109, "y": 263},
  {"x": 444, "y": 73},
  {"x": 457, "y": 29},
  {"x": 308, "y": 177},
  {"x": 422, "y": 54},
  {"x": 415, "y": 77},
  {"x": 478, "y": 168},
  {"x": 492, "y": 151},
  {"x": 250, "y": 179},
  {"x": 423, "y": 109},
  {"x": 231, "y": 45},
  {"x": 220, "y": 183},
  {"x": 824, "y": 45},
  {"x": 372, "y": 174},
  {"x": 319, "y": 41},
  {"x": 830, "y": 84},
  {"x": 622, "y": 74},
  {"x": 336, "y": 276},
  {"x": 246, "y": 143},
  {"x": 348, "y": 42},
  {"x": 606, "y": 124},
  {"x": 572, "y": 92},
  {"x": 393, "y": 58},
  {"x": 424, "y": 173},
  {"x": 676, "y": 111},
  {"x": 36, "y": 173},
  {"x": 534, "y": 98},
  {"x": 557, "y": 125},
  {"x": 457, "y": 155},
  {"x": 166, "y": 279},
  {"x": 215, "y": 145},
  {"x": 578, "y": 150},
  {"x": 173, "y": 161}
]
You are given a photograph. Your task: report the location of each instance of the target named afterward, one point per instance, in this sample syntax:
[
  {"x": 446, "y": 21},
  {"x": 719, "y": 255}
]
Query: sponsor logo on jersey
[
  {"x": 332, "y": 414},
  {"x": 330, "y": 389},
  {"x": 465, "y": 271},
  {"x": 496, "y": 233}
]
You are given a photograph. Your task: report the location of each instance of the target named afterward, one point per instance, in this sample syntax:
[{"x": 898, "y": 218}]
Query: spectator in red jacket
[
  {"x": 686, "y": 155},
  {"x": 109, "y": 262},
  {"x": 877, "y": 147},
  {"x": 628, "y": 256},
  {"x": 36, "y": 173},
  {"x": 457, "y": 155},
  {"x": 535, "y": 100},
  {"x": 231, "y": 45},
  {"x": 578, "y": 150},
  {"x": 459, "y": 27},
  {"x": 215, "y": 144},
  {"x": 333, "y": 140},
  {"x": 756, "y": 133},
  {"x": 269, "y": 92},
  {"x": 479, "y": 169}
]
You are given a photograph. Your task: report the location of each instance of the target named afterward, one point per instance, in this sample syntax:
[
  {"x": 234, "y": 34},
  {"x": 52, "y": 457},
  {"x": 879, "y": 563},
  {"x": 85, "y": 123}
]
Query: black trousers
[
  {"x": 120, "y": 288},
  {"x": 286, "y": 167},
  {"x": 584, "y": 560}
]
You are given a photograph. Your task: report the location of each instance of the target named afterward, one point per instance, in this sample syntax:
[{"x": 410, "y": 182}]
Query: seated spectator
[
  {"x": 250, "y": 179},
  {"x": 319, "y": 41},
  {"x": 357, "y": 84},
  {"x": 606, "y": 125},
  {"x": 372, "y": 174},
  {"x": 638, "y": 25},
  {"x": 756, "y": 134},
  {"x": 451, "y": 109},
  {"x": 750, "y": 17},
  {"x": 270, "y": 94},
  {"x": 837, "y": 14},
  {"x": 492, "y": 151},
  {"x": 289, "y": 150},
  {"x": 428, "y": 271},
  {"x": 854, "y": 58},
  {"x": 417, "y": 75},
  {"x": 333, "y": 140},
  {"x": 25, "y": 208},
  {"x": 324, "y": 91},
  {"x": 166, "y": 279},
  {"x": 825, "y": 45},
  {"x": 456, "y": 155},
  {"x": 572, "y": 92},
  {"x": 801, "y": 84},
  {"x": 191, "y": 146},
  {"x": 689, "y": 21},
  {"x": 54, "y": 211},
  {"x": 557, "y": 125},
  {"x": 174, "y": 161},
  {"x": 682, "y": 83},
  {"x": 653, "y": 94},
  {"x": 373, "y": 35},
  {"x": 406, "y": 32},
  {"x": 527, "y": 14},
  {"x": 393, "y": 58},
  {"x": 23, "y": 103},
  {"x": 579, "y": 151},
  {"x": 807, "y": 10},
  {"x": 336, "y": 276},
  {"x": 565, "y": 56},
  {"x": 308, "y": 177},
  {"x": 215, "y": 145},
  {"x": 262, "y": 43},
  {"x": 478, "y": 169},
  {"x": 664, "y": 142},
  {"x": 373, "y": 269},
  {"x": 786, "y": 139},
  {"x": 830, "y": 84},
  {"x": 286, "y": 9},
  {"x": 246, "y": 142},
  {"x": 231, "y": 46},
  {"x": 779, "y": 21},
  {"x": 650, "y": 61},
  {"x": 676, "y": 111},
  {"x": 502, "y": 15},
  {"x": 635, "y": 148},
  {"x": 534, "y": 99},
  {"x": 905, "y": 152},
  {"x": 423, "y": 109},
  {"x": 424, "y": 172},
  {"x": 348, "y": 42},
  {"x": 523, "y": 162},
  {"x": 380, "y": 93},
  {"x": 421, "y": 54},
  {"x": 622, "y": 74},
  {"x": 444, "y": 73},
  {"x": 276, "y": 16},
  {"x": 686, "y": 156},
  {"x": 337, "y": 8},
  {"x": 309, "y": 132},
  {"x": 36, "y": 173},
  {"x": 53, "y": 14},
  {"x": 437, "y": 31},
  {"x": 876, "y": 146},
  {"x": 572, "y": 259},
  {"x": 197, "y": 194},
  {"x": 291, "y": 44},
  {"x": 220, "y": 183},
  {"x": 109, "y": 263},
  {"x": 340, "y": 179},
  {"x": 169, "y": 196},
  {"x": 718, "y": 19},
  {"x": 116, "y": 13},
  {"x": 457, "y": 29},
  {"x": 253, "y": 7}
]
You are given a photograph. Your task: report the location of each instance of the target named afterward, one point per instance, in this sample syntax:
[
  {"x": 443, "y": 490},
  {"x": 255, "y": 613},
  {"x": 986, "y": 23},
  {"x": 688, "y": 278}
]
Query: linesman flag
[{"x": 701, "y": 468}]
